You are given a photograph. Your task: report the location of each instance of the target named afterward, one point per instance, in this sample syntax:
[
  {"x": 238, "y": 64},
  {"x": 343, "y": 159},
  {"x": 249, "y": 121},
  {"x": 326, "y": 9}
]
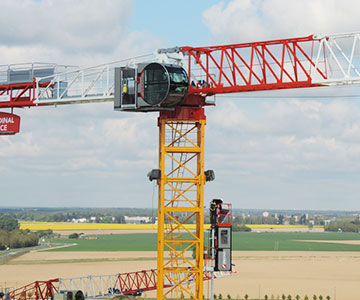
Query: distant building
[
  {"x": 327, "y": 222},
  {"x": 137, "y": 220},
  {"x": 81, "y": 220}
]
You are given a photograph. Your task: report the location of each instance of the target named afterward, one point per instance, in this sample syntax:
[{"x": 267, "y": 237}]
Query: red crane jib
[{"x": 258, "y": 66}]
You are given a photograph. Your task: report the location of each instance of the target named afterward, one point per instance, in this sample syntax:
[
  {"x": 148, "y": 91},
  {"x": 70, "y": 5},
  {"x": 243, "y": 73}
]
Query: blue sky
[
  {"x": 284, "y": 149},
  {"x": 179, "y": 24}
]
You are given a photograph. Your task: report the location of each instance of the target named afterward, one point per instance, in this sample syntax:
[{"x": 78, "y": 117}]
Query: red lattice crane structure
[
  {"x": 132, "y": 283},
  {"x": 176, "y": 84},
  {"x": 38, "y": 290}
]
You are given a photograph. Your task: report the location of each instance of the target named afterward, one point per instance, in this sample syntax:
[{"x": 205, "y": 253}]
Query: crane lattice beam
[
  {"x": 132, "y": 283},
  {"x": 278, "y": 64},
  {"x": 38, "y": 290}
]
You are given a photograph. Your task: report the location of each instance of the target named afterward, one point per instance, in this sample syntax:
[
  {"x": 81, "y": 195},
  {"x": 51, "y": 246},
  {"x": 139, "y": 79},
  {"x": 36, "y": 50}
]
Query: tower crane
[{"x": 176, "y": 83}]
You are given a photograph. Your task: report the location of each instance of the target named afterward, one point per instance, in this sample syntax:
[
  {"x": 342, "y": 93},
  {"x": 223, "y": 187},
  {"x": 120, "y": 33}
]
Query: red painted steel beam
[
  {"x": 258, "y": 66},
  {"x": 19, "y": 94},
  {"x": 142, "y": 281},
  {"x": 39, "y": 290},
  {"x": 136, "y": 282},
  {"x": 246, "y": 45}
]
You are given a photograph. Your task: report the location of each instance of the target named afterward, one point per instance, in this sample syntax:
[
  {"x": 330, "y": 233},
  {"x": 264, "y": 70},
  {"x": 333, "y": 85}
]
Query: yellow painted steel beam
[
  {"x": 183, "y": 149},
  {"x": 185, "y": 180},
  {"x": 160, "y": 245},
  {"x": 181, "y": 199},
  {"x": 183, "y": 241},
  {"x": 182, "y": 209}
]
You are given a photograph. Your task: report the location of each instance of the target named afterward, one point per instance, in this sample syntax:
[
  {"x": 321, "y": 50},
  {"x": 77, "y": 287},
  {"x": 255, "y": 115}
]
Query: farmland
[
  {"x": 60, "y": 226},
  {"x": 242, "y": 241},
  {"x": 290, "y": 263}
]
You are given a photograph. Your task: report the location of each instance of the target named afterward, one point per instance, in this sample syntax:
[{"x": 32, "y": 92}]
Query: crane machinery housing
[{"x": 176, "y": 84}]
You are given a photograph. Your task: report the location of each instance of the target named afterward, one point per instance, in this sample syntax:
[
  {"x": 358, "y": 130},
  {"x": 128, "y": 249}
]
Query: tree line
[
  {"x": 11, "y": 236},
  {"x": 100, "y": 215},
  {"x": 344, "y": 226}
]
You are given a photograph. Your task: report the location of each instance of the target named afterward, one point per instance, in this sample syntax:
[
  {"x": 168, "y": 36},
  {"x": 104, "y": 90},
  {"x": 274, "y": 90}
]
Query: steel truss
[
  {"x": 38, "y": 290},
  {"x": 93, "y": 84},
  {"x": 181, "y": 161},
  {"x": 20, "y": 94},
  {"x": 278, "y": 64},
  {"x": 133, "y": 283}
]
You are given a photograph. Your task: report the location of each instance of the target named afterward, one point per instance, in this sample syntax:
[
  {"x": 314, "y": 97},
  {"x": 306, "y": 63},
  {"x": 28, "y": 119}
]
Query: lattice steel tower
[{"x": 181, "y": 201}]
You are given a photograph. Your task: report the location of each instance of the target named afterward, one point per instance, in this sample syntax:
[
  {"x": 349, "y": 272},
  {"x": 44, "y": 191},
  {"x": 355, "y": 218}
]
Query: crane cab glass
[{"x": 163, "y": 85}]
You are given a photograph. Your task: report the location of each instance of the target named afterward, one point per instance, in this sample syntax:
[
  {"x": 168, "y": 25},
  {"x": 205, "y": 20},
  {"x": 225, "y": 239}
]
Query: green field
[
  {"x": 292, "y": 241},
  {"x": 112, "y": 242},
  {"x": 241, "y": 241}
]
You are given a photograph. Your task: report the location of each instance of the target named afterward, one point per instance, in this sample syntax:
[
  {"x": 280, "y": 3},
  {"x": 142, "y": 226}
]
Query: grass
[
  {"x": 112, "y": 242},
  {"x": 85, "y": 260},
  {"x": 5, "y": 258},
  {"x": 293, "y": 241},
  {"x": 241, "y": 241}
]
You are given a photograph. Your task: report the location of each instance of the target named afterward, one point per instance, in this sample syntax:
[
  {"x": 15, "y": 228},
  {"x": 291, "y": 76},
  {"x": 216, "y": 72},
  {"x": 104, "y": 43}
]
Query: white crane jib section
[
  {"x": 88, "y": 85},
  {"x": 343, "y": 56}
]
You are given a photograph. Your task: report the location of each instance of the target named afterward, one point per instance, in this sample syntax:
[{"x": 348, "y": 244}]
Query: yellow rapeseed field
[
  {"x": 82, "y": 226},
  {"x": 91, "y": 226},
  {"x": 57, "y": 226}
]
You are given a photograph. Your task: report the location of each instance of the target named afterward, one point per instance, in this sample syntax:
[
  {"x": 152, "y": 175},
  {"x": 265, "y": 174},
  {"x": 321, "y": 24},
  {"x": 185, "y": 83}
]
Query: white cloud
[
  {"x": 229, "y": 116},
  {"x": 73, "y": 138},
  {"x": 64, "y": 23},
  {"x": 285, "y": 136},
  {"x": 249, "y": 20},
  {"x": 143, "y": 164},
  {"x": 83, "y": 33},
  {"x": 24, "y": 146},
  {"x": 83, "y": 163},
  {"x": 91, "y": 152}
]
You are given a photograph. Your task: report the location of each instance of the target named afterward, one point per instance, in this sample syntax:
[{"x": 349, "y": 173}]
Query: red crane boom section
[
  {"x": 258, "y": 66},
  {"x": 19, "y": 94},
  {"x": 38, "y": 290},
  {"x": 126, "y": 284}
]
